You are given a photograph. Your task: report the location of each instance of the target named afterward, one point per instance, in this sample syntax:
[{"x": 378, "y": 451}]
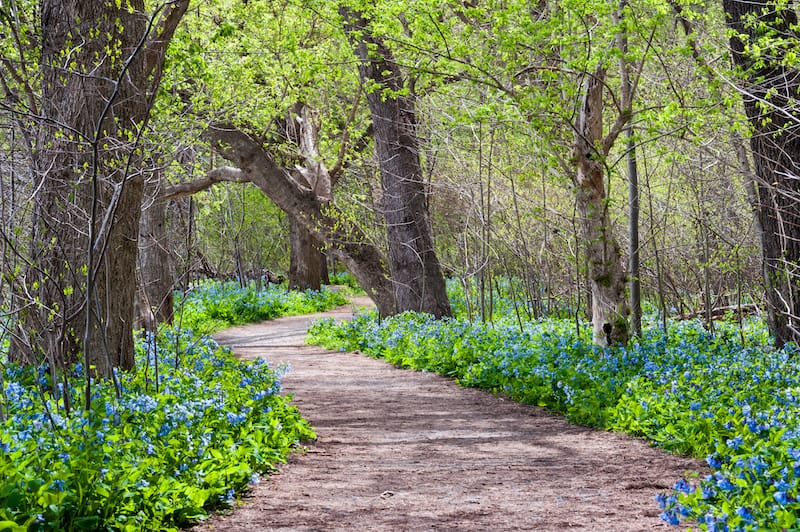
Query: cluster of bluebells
[
  {"x": 689, "y": 391},
  {"x": 178, "y": 444}
]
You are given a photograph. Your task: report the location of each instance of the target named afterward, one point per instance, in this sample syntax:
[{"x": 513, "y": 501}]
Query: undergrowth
[
  {"x": 193, "y": 427},
  {"x": 212, "y": 306}
]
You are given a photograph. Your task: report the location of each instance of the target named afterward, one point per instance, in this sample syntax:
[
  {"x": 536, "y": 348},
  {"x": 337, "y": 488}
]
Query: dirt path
[{"x": 403, "y": 450}]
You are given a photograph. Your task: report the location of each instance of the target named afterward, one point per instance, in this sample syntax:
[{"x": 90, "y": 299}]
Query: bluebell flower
[
  {"x": 235, "y": 419},
  {"x": 671, "y": 517},
  {"x": 745, "y": 514},
  {"x": 735, "y": 443},
  {"x": 683, "y": 486},
  {"x": 661, "y": 499},
  {"x": 724, "y": 484},
  {"x": 780, "y": 497},
  {"x": 782, "y": 485}
]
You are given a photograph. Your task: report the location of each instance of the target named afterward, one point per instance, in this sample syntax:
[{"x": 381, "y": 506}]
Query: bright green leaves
[{"x": 257, "y": 59}]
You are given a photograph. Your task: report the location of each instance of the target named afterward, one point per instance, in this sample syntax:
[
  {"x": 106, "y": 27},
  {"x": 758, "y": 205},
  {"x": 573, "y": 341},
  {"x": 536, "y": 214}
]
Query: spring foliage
[{"x": 213, "y": 306}]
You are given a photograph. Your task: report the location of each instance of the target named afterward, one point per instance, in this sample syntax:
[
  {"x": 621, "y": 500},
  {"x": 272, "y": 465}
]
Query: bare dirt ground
[{"x": 404, "y": 450}]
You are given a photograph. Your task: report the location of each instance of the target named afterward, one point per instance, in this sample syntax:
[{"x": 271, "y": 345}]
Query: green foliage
[
  {"x": 344, "y": 278},
  {"x": 153, "y": 460},
  {"x": 194, "y": 426},
  {"x": 239, "y": 218},
  {"x": 689, "y": 392},
  {"x": 213, "y": 306}
]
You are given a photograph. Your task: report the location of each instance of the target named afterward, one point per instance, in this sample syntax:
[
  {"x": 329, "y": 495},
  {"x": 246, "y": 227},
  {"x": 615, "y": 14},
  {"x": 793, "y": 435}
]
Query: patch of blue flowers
[
  {"x": 159, "y": 457},
  {"x": 689, "y": 392}
]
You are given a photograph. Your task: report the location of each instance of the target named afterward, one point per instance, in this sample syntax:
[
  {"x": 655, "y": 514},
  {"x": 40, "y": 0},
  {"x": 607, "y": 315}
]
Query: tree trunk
[
  {"x": 305, "y": 267},
  {"x": 771, "y": 92},
  {"x": 416, "y": 273},
  {"x": 605, "y": 267},
  {"x": 626, "y": 92},
  {"x": 156, "y": 282},
  {"x": 324, "y": 274},
  {"x": 89, "y": 191}
]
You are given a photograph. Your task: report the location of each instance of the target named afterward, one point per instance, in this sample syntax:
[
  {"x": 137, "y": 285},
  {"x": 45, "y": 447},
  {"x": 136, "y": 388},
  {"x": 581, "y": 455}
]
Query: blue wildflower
[
  {"x": 735, "y": 443},
  {"x": 745, "y": 514},
  {"x": 671, "y": 517},
  {"x": 683, "y": 486},
  {"x": 661, "y": 499}
]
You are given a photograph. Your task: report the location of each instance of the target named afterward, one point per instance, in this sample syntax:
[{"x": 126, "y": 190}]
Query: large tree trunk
[
  {"x": 155, "y": 272},
  {"x": 89, "y": 191},
  {"x": 606, "y": 269},
  {"x": 305, "y": 264},
  {"x": 771, "y": 93},
  {"x": 416, "y": 273}
]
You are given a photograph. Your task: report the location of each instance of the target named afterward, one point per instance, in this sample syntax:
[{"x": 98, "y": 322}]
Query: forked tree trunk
[
  {"x": 416, "y": 273},
  {"x": 89, "y": 191},
  {"x": 771, "y": 93},
  {"x": 605, "y": 266},
  {"x": 320, "y": 216}
]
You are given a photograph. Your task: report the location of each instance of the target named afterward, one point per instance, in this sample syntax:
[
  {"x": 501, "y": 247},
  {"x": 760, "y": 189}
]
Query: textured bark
[
  {"x": 771, "y": 94},
  {"x": 305, "y": 258},
  {"x": 93, "y": 109},
  {"x": 321, "y": 218},
  {"x": 305, "y": 262},
  {"x": 155, "y": 273},
  {"x": 606, "y": 269},
  {"x": 416, "y": 273}
]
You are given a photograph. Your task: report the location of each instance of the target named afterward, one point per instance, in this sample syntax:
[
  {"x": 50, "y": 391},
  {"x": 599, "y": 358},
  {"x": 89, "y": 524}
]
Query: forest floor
[{"x": 405, "y": 450}]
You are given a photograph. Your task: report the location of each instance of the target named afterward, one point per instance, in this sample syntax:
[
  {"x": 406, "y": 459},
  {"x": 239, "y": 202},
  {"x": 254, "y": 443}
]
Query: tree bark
[
  {"x": 155, "y": 272},
  {"x": 605, "y": 266},
  {"x": 89, "y": 192},
  {"x": 416, "y": 273},
  {"x": 771, "y": 92},
  {"x": 305, "y": 261}
]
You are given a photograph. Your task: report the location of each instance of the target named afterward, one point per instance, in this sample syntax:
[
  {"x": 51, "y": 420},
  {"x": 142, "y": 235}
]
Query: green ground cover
[{"x": 190, "y": 429}]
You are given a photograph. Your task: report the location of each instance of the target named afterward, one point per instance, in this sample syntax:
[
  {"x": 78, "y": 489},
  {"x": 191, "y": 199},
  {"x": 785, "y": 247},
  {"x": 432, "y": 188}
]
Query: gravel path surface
[{"x": 404, "y": 450}]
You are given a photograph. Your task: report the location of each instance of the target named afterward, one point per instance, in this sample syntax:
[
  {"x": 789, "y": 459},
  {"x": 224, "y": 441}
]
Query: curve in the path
[{"x": 404, "y": 450}]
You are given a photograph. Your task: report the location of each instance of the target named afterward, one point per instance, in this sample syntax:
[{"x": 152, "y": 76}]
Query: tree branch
[{"x": 217, "y": 175}]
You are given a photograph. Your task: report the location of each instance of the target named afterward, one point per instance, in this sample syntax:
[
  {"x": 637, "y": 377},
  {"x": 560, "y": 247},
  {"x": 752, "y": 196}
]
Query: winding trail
[{"x": 405, "y": 450}]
